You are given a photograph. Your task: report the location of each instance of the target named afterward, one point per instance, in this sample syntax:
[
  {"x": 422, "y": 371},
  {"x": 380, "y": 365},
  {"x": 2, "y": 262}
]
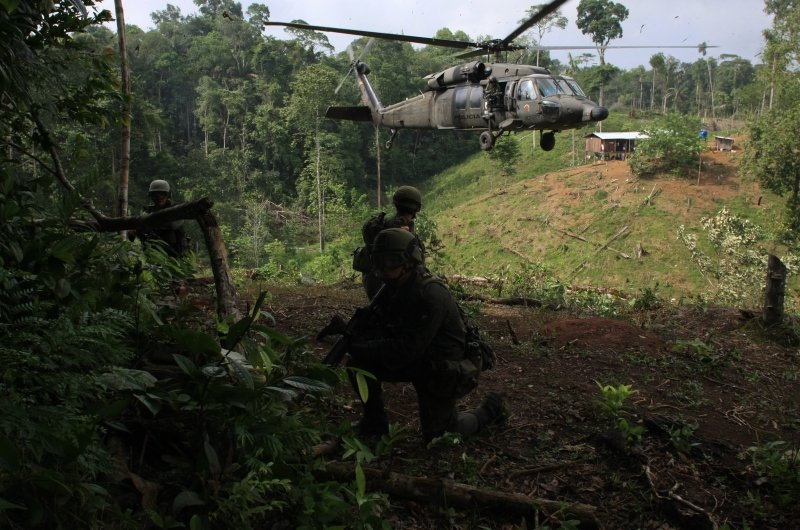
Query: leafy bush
[
  {"x": 738, "y": 267},
  {"x": 673, "y": 145},
  {"x": 65, "y": 314}
]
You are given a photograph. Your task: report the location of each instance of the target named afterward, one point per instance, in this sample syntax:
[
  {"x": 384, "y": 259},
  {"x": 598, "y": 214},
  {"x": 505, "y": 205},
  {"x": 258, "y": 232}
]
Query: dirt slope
[{"x": 709, "y": 385}]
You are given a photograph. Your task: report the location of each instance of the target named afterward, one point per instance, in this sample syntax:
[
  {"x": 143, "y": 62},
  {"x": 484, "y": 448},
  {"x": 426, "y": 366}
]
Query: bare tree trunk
[
  {"x": 378, "y": 159},
  {"x": 320, "y": 218},
  {"x": 127, "y": 112},
  {"x": 774, "y": 293}
]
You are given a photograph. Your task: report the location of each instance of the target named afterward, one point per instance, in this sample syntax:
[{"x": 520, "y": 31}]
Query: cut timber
[
  {"x": 581, "y": 238},
  {"x": 450, "y": 493}
]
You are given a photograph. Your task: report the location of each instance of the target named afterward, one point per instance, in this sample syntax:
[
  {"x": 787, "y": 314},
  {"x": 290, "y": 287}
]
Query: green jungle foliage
[{"x": 125, "y": 408}]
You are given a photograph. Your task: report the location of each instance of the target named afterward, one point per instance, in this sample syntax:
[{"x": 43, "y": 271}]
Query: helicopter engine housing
[{"x": 473, "y": 72}]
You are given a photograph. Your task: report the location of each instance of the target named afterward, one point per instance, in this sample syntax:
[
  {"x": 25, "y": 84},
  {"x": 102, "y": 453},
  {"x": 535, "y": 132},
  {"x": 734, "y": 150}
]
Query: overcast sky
[{"x": 734, "y": 25}]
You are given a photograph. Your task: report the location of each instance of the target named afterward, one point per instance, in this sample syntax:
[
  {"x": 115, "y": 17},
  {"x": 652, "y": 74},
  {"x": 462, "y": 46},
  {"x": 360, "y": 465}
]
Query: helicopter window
[
  {"x": 461, "y": 98},
  {"x": 525, "y": 90},
  {"x": 574, "y": 86},
  {"x": 563, "y": 87},
  {"x": 475, "y": 97},
  {"x": 547, "y": 87}
]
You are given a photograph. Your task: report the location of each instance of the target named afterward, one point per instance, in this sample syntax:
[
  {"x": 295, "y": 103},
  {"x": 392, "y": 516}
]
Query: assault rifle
[{"x": 362, "y": 314}]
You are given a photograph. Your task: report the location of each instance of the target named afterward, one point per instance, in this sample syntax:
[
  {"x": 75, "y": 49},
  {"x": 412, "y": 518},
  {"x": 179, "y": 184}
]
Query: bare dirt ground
[{"x": 710, "y": 385}]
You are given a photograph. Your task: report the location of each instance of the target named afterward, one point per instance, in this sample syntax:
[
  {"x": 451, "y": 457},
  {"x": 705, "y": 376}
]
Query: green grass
[{"x": 489, "y": 222}]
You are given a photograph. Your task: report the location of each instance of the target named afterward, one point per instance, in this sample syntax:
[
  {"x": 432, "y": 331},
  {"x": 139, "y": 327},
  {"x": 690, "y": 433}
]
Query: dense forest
[
  {"x": 223, "y": 112},
  {"x": 106, "y": 375}
]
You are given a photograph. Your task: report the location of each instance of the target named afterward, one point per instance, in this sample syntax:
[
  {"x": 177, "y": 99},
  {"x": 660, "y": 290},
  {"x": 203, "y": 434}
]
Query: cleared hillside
[{"x": 594, "y": 224}]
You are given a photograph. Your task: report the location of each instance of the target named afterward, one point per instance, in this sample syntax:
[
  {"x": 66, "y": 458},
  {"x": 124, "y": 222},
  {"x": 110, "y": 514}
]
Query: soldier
[
  {"x": 419, "y": 337},
  {"x": 407, "y": 201},
  {"x": 172, "y": 233}
]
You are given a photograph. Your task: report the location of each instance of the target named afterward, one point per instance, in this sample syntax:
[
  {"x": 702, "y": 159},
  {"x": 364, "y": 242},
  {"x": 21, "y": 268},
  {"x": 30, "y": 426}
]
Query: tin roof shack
[
  {"x": 724, "y": 143},
  {"x": 612, "y": 145}
]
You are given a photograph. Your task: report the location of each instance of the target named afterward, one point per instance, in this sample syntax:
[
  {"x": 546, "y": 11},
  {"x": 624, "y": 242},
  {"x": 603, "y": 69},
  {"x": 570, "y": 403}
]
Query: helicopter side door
[
  {"x": 443, "y": 109},
  {"x": 468, "y": 105},
  {"x": 526, "y": 104}
]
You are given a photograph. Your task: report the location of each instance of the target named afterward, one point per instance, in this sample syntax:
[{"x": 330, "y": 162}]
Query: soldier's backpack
[{"x": 369, "y": 231}]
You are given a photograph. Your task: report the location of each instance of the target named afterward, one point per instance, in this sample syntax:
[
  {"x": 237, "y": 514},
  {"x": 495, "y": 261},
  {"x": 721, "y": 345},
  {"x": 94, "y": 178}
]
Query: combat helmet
[
  {"x": 407, "y": 198},
  {"x": 394, "y": 247},
  {"x": 159, "y": 186}
]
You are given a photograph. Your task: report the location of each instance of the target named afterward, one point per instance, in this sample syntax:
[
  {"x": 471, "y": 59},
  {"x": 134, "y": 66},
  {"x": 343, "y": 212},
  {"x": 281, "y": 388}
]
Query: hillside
[{"x": 594, "y": 224}]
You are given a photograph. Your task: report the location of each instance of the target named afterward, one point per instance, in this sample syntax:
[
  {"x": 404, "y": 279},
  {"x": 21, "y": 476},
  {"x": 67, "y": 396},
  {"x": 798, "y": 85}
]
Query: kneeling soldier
[{"x": 419, "y": 337}]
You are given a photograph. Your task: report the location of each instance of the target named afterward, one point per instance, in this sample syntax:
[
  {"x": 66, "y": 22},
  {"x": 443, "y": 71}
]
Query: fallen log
[
  {"x": 450, "y": 493},
  {"x": 509, "y": 300}
]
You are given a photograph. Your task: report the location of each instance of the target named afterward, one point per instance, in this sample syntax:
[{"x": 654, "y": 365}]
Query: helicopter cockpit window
[
  {"x": 475, "y": 97},
  {"x": 525, "y": 90},
  {"x": 563, "y": 87},
  {"x": 461, "y": 98},
  {"x": 574, "y": 86},
  {"x": 547, "y": 87}
]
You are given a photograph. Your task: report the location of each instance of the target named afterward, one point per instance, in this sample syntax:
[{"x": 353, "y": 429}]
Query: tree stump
[{"x": 774, "y": 293}]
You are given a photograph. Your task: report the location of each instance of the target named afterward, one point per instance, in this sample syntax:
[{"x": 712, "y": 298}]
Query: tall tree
[
  {"x": 127, "y": 112},
  {"x": 545, "y": 25},
  {"x": 602, "y": 21}
]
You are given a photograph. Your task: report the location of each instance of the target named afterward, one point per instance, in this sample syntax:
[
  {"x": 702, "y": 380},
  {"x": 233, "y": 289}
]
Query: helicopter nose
[{"x": 599, "y": 113}]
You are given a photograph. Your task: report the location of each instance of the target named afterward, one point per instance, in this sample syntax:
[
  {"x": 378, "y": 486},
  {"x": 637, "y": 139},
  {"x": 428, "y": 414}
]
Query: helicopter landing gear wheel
[
  {"x": 486, "y": 140},
  {"x": 548, "y": 141}
]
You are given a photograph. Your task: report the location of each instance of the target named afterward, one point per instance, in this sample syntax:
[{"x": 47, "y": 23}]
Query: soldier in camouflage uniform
[
  {"x": 419, "y": 337},
  {"x": 172, "y": 233},
  {"x": 407, "y": 201}
]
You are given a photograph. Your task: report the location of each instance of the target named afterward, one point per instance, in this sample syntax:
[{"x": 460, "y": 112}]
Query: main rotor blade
[
  {"x": 387, "y": 36},
  {"x": 546, "y": 48},
  {"x": 546, "y": 10}
]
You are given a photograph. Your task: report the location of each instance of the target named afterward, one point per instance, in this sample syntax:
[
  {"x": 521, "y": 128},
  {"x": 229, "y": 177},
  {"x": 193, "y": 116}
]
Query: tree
[
  {"x": 127, "y": 111},
  {"x": 545, "y": 25},
  {"x": 657, "y": 63},
  {"x": 602, "y": 21},
  {"x": 772, "y": 153},
  {"x": 672, "y": 145},
  {"x": 772, "y": 157}
]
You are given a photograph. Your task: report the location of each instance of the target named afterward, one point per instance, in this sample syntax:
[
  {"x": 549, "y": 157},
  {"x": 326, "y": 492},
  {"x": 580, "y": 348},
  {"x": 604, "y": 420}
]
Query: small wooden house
[
  {"x": 724, "y": 143},
  {"x": 612, "y": 145}
]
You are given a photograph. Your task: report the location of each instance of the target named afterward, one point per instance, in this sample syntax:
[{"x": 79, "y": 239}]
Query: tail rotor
[{"x": 353, "y": 61}]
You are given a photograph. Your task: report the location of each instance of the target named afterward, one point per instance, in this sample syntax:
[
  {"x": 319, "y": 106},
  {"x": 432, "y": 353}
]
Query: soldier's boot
[
  {"x": 491, "y": 411},
  {"x": 336, "y": 326},
  {"x": 372, "y": 424}
]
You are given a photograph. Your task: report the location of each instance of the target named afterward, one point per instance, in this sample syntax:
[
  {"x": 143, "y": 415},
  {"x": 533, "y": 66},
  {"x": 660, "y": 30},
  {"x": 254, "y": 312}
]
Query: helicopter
[{"x": 491, "y": 97}]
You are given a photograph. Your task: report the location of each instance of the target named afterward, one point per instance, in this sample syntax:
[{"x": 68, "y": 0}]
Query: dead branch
[
  {"x": 511, "y": 332},
  {"x": 672, "y": 498},
  {"x": 541, "y": 469},
  {"x": 473, "y": 280},
  {"x": 581, "y": 238},
  {"x": 512, "y": 300},
  {"x": 570, "y": 234},
  {"x": 518, "y": 253},
  {"x": 613, "y": 238},
  {"x": 450, "y": 493}
]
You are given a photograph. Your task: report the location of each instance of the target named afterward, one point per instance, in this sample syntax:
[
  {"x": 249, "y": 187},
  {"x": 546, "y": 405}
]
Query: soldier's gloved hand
[{"x": 359, "y": 350}]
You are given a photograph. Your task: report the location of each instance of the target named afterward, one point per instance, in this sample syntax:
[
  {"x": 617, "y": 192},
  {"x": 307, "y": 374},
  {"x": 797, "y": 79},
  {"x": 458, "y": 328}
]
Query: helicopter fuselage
[{"x": 495, "y": 97}]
